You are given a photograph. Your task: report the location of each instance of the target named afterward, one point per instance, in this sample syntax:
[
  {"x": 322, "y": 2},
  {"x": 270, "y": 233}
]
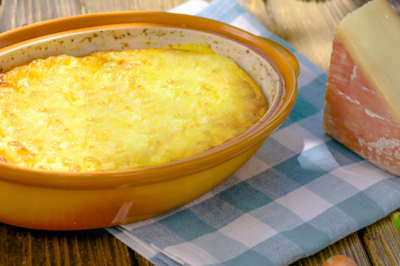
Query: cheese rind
[
  {"x": 362, "y": 108},
  {"x": 357, "y": 116}
]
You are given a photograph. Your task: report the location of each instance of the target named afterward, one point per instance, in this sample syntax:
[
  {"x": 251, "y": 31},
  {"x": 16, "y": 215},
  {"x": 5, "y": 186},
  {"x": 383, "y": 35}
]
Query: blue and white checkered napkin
[{"x": 300, "y": 193}]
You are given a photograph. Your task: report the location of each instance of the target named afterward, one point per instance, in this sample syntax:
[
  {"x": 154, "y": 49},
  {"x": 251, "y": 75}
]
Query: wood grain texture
[
  {"x": 94, "y": 6},
  {"x": 350, "y": 246},
  {"x": 17, "y": 13},
  {"x": 382, "y": 242},
  {"x": 142, "y": 261},
  {"x": 395, "y": 5},
  {"x": 19, "y": 246},
  {"x": 309, "y": 26},
  {"x": 1, "y": 9},
  {"x": 258, "y": 9}
]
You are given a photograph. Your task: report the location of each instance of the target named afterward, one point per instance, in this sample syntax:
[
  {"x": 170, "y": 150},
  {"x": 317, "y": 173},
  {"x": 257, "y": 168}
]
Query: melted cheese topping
[{"x": 123, "y": 110}]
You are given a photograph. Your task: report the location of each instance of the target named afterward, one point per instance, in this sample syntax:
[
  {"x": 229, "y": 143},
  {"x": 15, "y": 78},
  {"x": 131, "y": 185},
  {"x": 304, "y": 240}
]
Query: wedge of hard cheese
[{"x": 362, "y": 101}]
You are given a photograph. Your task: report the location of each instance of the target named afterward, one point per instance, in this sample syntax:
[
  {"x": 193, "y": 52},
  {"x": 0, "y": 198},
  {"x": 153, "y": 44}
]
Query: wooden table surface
[{"x": 307, "y": 25}]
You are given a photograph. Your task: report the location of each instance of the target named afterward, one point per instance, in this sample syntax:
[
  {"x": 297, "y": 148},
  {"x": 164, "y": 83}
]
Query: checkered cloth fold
[{"x": 300, "y": 193}]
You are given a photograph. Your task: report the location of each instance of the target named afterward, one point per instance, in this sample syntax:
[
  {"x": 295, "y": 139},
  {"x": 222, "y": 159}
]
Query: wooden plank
[
  {"x": 1, "y": 9},
  {"x": 23, "y": 12},
  {"x": 94, "y": 6},
  {"x": 310, "y": 26},
  {"x": 258, "y": 9},
  {"x": 96, "y": 247},
  {"x": 382, "y": 242},
  {"x": 255, "y": 7},
  {"x": 142, "y": 261},
  {"x": 350, "y": 246},
  {"x": 19, "y": 246},
  {"x": 395, "y": 4}
]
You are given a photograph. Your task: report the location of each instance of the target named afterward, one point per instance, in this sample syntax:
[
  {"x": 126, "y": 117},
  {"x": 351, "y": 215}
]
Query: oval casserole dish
[{"x": 54, "y": 200}]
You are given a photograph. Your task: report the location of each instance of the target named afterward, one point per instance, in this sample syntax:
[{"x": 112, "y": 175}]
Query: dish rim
[{"x": 153, "y": 174}]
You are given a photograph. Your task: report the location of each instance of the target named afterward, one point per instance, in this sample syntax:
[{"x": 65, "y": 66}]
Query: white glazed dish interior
[{"x": 124, "y": 37}]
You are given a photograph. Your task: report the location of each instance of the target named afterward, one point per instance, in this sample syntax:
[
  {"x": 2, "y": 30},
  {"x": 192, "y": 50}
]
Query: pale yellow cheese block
[{"x": 371, "y": 34}]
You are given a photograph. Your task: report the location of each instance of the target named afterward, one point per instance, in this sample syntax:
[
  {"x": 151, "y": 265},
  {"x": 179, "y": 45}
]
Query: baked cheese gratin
[{"x": 114, "y": 110}]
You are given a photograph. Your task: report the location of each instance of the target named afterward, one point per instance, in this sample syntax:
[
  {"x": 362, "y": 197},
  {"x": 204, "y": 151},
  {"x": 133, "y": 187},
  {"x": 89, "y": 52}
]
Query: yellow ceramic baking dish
[{"x": 71, "y": 201}]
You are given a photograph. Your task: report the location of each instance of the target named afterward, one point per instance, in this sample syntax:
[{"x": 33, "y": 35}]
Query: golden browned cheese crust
[{"x": 123, "y": 110}]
